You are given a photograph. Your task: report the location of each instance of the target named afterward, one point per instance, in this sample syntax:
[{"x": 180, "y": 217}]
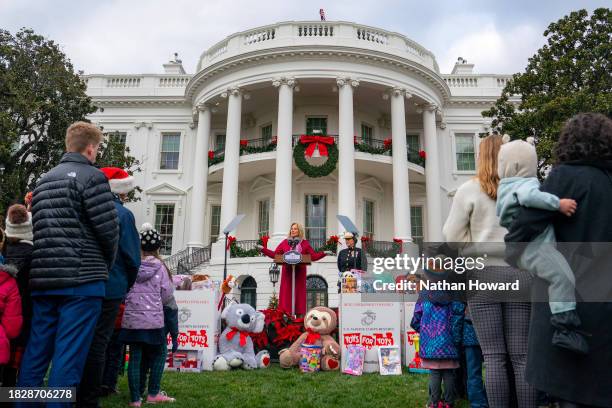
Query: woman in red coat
[{"x": 303, "y": 247}]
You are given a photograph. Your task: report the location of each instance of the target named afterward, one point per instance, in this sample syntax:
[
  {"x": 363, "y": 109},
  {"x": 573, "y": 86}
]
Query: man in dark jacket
[
  {"x": 122, "y": 276},
  {"x": 350, "y": 257},
  {"x": 584, "y": 173},
  {"x": 76, "y": 231}
]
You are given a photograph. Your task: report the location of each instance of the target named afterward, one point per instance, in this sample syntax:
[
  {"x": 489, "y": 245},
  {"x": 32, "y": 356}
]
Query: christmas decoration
[
  {"x": 306, "y": 147},
  {"x": 330, "y": 245}
]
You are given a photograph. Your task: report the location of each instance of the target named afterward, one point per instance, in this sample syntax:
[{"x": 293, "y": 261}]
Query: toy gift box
[{"x": 185, "y": 361}]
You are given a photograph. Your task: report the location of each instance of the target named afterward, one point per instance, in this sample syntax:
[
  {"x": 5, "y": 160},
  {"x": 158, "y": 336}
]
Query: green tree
[
  {"x": 572, "y": 73},
  {"x": 40, "y": 96}
]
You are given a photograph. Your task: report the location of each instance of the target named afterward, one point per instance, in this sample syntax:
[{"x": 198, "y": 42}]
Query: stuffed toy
[
  {"x": 319, "y": 323},
  {"x": 226, "y": 287},
  {"x": 235, "y": 344}
]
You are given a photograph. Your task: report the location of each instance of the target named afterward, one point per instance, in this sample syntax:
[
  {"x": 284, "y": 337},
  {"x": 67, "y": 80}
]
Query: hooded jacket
[{"x": 144, "y": 304}]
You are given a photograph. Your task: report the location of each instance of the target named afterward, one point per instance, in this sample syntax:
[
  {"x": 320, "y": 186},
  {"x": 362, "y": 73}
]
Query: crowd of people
[
  {"x": 78, "y": 281},
  {"x": 557, "y": 346}
]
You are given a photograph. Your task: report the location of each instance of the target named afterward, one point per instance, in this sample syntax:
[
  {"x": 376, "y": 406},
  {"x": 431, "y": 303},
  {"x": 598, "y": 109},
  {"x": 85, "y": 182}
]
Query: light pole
[{"x": 274, "y": 272}]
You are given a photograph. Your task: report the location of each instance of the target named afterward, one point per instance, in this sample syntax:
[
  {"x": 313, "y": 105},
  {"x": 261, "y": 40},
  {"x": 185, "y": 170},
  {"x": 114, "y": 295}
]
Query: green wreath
[{"x": 315, "y": 171}]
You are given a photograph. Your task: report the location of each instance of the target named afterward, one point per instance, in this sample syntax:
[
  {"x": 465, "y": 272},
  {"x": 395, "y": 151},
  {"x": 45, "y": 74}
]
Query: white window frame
[
  {"x": 259, "y": 200},
  {"x": 462, "y": 132},
  {"x": 261, "y": 127},
  {"x": 364, "y": 123},
  {"x": 175, "y": 219},
  {"x": 182, "y": 150}
]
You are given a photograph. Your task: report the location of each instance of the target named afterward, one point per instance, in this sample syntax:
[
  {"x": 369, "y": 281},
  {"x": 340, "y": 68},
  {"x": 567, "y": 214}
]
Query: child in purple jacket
[
  {"x": 142, "y": 327},
  {"x": 437, "y": 319}
]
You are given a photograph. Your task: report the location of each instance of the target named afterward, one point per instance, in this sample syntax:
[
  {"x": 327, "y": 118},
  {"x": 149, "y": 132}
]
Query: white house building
[{"x": 220, "y": 142}]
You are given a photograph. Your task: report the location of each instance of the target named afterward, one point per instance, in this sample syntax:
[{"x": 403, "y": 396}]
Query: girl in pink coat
[{"x": 10, "y": 311}]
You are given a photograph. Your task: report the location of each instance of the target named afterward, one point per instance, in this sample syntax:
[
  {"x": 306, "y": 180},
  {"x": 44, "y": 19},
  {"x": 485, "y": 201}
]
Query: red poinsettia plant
[
  {"x": 333, "y": 239},
  {"x": 211, "y": 155},
  {"x": 274, "y": 140},
  {"x": 387, "y": 143},
  {"x": 244, "y": 143},
  {"x": 365, "y": 239},
  {"x": 422, "y": 154}
]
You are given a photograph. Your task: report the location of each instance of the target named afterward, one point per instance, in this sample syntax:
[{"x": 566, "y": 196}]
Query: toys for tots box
[
  {"x": 198, "y": 320},
  {"x": 370, "y": 324}
]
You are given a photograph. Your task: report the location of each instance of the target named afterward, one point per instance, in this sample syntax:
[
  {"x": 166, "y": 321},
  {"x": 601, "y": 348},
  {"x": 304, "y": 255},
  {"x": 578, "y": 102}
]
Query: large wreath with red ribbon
[{"x": 306, "y": 147}]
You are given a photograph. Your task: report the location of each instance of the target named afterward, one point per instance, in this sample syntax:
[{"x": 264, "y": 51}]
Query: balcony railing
[
  {"x": 381, "y": 249},
  {"x": 372, "y": 146},
  {"x": 245, "y": 249},
  {"x": 247, "y": 146},
  {"x": 185, "y": 261}
]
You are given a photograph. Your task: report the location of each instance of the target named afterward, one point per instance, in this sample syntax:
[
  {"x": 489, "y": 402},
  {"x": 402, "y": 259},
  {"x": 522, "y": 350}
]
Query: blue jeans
[
  {"x": 475, "y": 388},
  {"x": 62, "y": 329}
]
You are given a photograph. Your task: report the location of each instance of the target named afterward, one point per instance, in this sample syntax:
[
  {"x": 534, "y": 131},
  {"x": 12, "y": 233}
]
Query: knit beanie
[
  {"x": 19, "y": 223},
  {"x": 517, "y": 158},
  {"x": 150, "y": 239}
]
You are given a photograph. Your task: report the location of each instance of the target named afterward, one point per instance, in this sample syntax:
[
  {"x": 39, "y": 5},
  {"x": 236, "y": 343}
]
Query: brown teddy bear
[{"x": 319, "y": 323}]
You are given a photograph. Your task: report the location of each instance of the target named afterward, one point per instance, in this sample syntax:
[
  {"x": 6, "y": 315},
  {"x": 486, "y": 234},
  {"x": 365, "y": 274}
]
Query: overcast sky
[{"x": 138, "y": 36}]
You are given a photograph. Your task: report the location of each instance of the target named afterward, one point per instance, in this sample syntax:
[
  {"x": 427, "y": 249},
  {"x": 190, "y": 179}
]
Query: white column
[
  {"x": 229, "y": 193},
  {"x": 399, "y": 149},
  {"x": 346, "y": 149},
  {"x": 284, "y": 160},
  {"x": 200, "y": 178},
  {"x": 432, "y": 175}
]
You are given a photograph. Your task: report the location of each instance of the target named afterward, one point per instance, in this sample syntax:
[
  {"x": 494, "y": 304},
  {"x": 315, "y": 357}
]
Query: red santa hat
[{"x": 120, "y": 181}]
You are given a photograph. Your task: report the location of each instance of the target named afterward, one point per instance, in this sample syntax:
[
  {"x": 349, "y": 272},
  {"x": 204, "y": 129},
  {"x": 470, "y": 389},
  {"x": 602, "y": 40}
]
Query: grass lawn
[{"x": 275, "y": 387}]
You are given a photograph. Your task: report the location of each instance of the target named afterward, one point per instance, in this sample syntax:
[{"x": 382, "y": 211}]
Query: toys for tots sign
[
  {"x": 370, "y": 324},
  {"x": 198, "y": 322}
]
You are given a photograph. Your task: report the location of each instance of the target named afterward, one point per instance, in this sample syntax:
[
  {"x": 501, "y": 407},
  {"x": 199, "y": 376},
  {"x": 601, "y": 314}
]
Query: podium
[{"x": 292, "y": 258}]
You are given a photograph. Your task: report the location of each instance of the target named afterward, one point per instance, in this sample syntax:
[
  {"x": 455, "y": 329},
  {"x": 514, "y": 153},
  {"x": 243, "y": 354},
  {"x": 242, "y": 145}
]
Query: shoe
[
  {"x": 567, "y": 334},
  {"x": 159, "y": 398},
  {"x": 135, "y": 404}
]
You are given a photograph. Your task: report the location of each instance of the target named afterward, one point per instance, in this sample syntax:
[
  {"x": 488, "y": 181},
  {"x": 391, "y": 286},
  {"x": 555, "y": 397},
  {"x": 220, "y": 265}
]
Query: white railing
[
  {"x": 123, "y": 82},
  {"x": 317, "y": 33},
  {"x": 502, "y": 82},
  {"x": 173, "y": 82},
  {"x": 259, "y": 36},
  {"x": 315, "y": 30},
  {"x": 371, "y": 35},
  {"x": 462, "y": 82}
]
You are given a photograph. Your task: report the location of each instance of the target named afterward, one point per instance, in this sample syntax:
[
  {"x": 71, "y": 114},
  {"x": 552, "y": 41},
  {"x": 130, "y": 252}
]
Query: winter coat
[
  {"x": 19, "y": 254},
  {"x": 75, "y": 226},
  {"x": 123, "y": 272},
  {"x": 144, "y": 304},
  {"x": 10, "y": 311},
  {"x": 438, "y": 319},
  {"x": 579, "y": 379},
  {"x": 514, "y": 192}
]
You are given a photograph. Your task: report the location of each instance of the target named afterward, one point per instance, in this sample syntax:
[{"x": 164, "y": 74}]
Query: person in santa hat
[{"x": 121, "y": 278}]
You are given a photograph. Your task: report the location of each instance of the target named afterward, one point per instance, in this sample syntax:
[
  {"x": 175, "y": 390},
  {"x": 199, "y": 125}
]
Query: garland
[
  {"x": 238, "y": 252},
  {"x": 315, "y": 171},
  {"x": 396, "y": 248},
  {"x": 367, "y": 148}
]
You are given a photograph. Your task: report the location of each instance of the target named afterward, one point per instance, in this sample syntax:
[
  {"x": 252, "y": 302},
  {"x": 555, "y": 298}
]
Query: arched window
[
  {"x": 248, "y": 291},
  {"x": 316, "y": 291}
]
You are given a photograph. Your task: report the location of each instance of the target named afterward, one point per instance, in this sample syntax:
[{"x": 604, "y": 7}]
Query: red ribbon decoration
[
  {"x": 230, "y": 241},
  {"x": 312, "y": 337},
  {"x": 398, "y": 241},
  {"x": 314, "y": 142},
  {"x": 243, "y": 335}
]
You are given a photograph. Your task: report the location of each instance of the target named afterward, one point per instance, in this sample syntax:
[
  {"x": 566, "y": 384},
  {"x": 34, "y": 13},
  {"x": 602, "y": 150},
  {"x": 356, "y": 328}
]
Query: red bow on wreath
[
  {"x": 230, "y": 241},
  {"x": 398, "y": 241},
  {"x": 243, "y": 335},
  {"x": 314, "y": 142}
]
